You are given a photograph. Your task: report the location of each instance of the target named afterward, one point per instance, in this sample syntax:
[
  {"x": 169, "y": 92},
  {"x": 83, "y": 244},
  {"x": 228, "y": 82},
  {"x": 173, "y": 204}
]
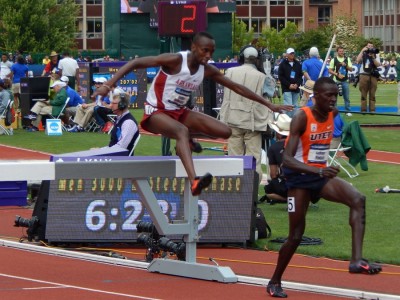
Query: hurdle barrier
[{"x": 138, "y": 171}]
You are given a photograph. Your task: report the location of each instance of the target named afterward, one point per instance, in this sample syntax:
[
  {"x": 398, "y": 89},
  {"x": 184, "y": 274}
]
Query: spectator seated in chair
[
  {"x": 5, "y": 96},
  {"x": 48, "y": 107},
  {"x": 84, "y": 112},
  {"x": 101, "y": 113},
  {"x": 276, "y": 190},
  {"x": 74, "y": 101},
  {"x": 125, "y": 130}
]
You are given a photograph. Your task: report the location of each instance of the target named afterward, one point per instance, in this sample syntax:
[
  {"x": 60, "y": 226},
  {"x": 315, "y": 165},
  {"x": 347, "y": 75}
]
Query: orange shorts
[{"x": 179, "y": 115}]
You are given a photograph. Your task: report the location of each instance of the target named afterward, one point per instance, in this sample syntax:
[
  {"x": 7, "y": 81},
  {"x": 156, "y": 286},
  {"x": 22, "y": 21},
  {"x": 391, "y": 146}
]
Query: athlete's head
[
  {"x": 325, "y": 94},
  {"x": 203, "y": 47}
]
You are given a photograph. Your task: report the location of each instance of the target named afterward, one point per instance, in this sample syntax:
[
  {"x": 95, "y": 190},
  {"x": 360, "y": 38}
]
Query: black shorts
[
  {"x": 276, "y": 186},
  {"x": 312, "y": 182}
]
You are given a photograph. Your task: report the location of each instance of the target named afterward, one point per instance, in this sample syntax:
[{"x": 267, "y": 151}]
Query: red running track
[{"x": 31, "y": 275}]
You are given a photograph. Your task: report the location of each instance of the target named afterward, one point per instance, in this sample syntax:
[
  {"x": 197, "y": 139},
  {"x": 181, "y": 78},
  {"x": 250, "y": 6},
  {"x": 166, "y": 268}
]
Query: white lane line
[
  {"x": 60, "y": 285},
  {"x": 44, "y": 288},
  {"x": 383, "y": 161}
]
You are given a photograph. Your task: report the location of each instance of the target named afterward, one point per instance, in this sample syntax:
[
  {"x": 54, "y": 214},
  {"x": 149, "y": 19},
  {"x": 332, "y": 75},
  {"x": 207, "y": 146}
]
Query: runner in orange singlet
[{"x": 309, "y": 178}]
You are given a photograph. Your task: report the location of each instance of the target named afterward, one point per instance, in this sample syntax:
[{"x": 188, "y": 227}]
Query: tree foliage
[
  {"x": 277, "y": 42},
  {"x": 272, "y": 40},
  {"x": 320, "y": 38},
  {"x": 346, "y": 29},
  {"x": 37, "y": 25},
  {"x": 241, "y": 36}
]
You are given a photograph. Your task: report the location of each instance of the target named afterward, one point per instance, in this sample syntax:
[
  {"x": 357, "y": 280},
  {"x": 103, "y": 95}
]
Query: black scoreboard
[
  {"x": 181, "y": 18},
  {"x": 108, "y": 209}
]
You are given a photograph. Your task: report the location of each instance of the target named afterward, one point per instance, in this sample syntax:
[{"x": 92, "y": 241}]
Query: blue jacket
[
  {"x": 313, "y": 67},
  {"x": 74, "y": 97}
]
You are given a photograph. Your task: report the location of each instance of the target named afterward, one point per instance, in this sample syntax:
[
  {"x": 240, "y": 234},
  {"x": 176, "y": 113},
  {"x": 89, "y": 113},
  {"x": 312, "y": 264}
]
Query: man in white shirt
[
  {"x": 5, "y": 66},
  {"x": 69, "y": 67}
]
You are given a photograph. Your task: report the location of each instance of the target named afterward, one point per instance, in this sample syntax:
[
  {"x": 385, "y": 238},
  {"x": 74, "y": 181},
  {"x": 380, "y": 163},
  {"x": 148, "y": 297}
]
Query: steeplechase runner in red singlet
[{"x": 165, "y": 111}]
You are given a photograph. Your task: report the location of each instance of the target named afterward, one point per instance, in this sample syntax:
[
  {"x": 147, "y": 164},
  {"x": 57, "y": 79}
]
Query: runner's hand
[{"x": 281, "y": 108}]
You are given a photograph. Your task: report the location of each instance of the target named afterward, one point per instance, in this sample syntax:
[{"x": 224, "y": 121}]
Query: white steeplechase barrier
[{"x": 139, "y": 171}]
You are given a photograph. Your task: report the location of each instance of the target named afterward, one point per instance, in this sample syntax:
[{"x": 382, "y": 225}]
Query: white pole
[{"x": 327, "y": 54}]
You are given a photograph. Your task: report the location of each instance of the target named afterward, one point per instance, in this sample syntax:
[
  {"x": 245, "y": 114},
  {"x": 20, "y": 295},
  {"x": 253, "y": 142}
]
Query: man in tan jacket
[{"x": 247, "y": 119}]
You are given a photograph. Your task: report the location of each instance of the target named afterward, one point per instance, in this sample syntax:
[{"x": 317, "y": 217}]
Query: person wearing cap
[
  {"x": 308, "y": 95},
  {"x": 339, "y": 67},
  {"x": 291, "y": 77},
  {"x": 312, "y": 66},
  {"x": 52, "y": 66},
  {"x": 247, "y": 119},
  {"x": 49, "y": 107},
  {"x": 165, "y": 110},
  {"x": 84, "y": 112},
  {"x": 74, "y": 101},
  {"x": 276, "y": 190},
  {"x": 309, "y": 178},
  {"x": 69, "y": 67}
]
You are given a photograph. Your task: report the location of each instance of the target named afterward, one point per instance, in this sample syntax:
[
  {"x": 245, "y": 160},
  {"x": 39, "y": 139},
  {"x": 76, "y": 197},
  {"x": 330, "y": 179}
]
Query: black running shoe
[
  {"x": 275, "y": 290},
  {"x": 201, "y": 183},
  {"x": 364, "y": 267},
  {"x": 195, "y": 146}
]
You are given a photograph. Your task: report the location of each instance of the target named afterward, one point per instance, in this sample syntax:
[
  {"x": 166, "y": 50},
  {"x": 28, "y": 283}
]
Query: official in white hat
[
  {"x": 291, "y": 77},
  {"x": 247, "y": 119},
  {"x": 282, "y": 124},
  {"x": 275, "y": 190}
]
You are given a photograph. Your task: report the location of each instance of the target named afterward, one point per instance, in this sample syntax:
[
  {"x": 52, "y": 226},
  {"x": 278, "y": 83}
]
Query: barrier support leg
[{"x": 189, "y": 267}]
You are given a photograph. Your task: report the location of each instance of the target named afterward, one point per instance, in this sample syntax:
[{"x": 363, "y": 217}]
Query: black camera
[
  {"x": 372, "y": 51},
  {"x": 356, "y": 80},
  {"x": 340, "y": 88},
  {"x": 179, "y": 249},
  {"x": 151, "y": 244},
  {"x": 148, "y": 227},
  {"x": 146, "y": 239},
  {"x": 31, "y": 224}
]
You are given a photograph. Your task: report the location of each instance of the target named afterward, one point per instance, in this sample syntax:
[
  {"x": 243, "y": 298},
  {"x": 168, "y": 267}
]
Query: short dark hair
[
  {"x": 20, "y": 59},
  {"x": 201, "y": 34},
  {"x": 318, "y": 86}
]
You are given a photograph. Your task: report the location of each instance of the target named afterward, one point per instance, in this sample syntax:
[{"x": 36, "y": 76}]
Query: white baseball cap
[
  {"x": 64, "y": 79},
  {"x": 289, "y": 50},
  {"x": 250, "y": 51},
  {"x": 58, "y": 83},
  {"x": 100, "y": 79}
]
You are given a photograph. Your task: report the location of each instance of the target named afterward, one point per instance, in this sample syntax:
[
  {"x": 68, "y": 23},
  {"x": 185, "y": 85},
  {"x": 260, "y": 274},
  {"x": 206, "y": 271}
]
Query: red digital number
[{"x": 188, "y": 19}]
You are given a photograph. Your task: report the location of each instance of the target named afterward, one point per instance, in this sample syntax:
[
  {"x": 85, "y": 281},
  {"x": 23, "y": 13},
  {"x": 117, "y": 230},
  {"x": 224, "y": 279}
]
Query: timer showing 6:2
[{"x": 101, "y": 216}]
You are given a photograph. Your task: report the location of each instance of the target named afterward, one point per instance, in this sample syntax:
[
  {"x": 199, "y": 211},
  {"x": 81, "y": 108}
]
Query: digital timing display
[
  {"x": 108, "y": 209},
  {"x": 134, "y": 83},
  {"x": 181, "y": 18}
]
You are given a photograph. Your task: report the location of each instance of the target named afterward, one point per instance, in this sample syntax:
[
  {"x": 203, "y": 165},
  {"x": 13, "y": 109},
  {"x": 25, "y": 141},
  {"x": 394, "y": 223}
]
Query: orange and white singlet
[
  {"x": 313, "y": 147},
  {"x": 172, "y": 92}
]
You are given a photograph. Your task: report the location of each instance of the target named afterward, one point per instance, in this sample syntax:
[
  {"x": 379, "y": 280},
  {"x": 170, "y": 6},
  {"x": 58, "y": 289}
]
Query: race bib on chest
[
  {"x": 318, "y": 154},
  {"x": 180, "y": 97}
]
